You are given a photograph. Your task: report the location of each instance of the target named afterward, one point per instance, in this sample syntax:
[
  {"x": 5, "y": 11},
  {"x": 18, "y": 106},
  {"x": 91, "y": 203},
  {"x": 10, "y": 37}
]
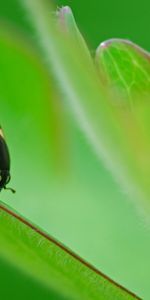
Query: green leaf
[
  {"x": 90, "y": 104},
  {"x": 124, "y": 68},
  {"x": 22, "y": 244},
  {"x": 30, "y": 115},
  {"x": 67, "y": 24},
  {"x": 50, "y": 262},
  {"x": 107, "y": 131}
]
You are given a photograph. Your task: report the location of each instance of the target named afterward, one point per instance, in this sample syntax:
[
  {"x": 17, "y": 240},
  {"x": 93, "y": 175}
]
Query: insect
[{"x": 4, "y": 163}]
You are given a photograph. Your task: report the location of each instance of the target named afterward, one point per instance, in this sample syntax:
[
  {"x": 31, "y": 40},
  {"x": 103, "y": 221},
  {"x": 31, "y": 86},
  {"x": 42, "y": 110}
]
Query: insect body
[{"x": 4, "y": 163}]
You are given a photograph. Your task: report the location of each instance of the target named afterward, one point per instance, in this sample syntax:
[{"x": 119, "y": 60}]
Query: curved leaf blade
[{"x": 52, "y": 263}]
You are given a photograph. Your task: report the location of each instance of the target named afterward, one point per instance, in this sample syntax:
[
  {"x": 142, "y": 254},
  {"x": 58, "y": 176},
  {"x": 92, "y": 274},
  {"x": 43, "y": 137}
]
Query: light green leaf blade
[
  {"x": 90, "y": 104},
  {"x": 124, "y": 69},
  {"x": 67, "y": 24},
  {"x": 22, "y": 244},
  {"x": 44, "y": 258},
  {"x": 62, "y": 200},
  {"x": 79, "y": 82}
]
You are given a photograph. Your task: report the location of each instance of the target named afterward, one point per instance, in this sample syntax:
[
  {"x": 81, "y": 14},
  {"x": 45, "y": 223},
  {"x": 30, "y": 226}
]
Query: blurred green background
[{"x": 109, "y": 232}]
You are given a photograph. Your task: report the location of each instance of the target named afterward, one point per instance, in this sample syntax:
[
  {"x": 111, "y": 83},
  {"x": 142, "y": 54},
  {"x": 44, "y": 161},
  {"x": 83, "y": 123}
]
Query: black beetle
[{"x": 4, "y": 163}]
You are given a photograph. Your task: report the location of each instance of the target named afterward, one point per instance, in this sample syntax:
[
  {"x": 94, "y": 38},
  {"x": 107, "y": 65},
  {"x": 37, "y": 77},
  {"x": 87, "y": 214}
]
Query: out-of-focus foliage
[
  {"x": 36, "y": 119},
  {"x": 86, "y": 210}
]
